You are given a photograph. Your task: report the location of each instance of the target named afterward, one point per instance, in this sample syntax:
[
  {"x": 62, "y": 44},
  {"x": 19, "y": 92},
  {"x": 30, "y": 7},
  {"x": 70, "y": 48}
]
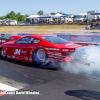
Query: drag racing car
[{"x": 41, "y": 49}]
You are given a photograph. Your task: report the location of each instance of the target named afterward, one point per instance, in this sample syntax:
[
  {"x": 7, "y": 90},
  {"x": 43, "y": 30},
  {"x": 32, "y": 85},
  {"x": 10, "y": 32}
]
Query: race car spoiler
[
  {"x": 4, "y": 37},
  {"x": 78, "y": 39}
]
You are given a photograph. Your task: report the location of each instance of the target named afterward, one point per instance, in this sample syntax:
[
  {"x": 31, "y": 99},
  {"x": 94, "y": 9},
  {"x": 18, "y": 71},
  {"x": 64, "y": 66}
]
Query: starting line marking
[
  {"x": 7, "y": 87},
  {"x": 4, "y": 87},
  {"x": 1, "y": 94}
]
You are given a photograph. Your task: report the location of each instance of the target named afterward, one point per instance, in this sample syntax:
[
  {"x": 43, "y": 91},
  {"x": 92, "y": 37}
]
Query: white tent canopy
[
  {"x": 58, "y": 15},
  {"x": 33, "y": 16}
]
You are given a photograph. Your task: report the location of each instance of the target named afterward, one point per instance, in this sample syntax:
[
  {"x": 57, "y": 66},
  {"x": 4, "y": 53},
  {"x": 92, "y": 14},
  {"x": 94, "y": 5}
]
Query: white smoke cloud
[{"x": 93, "y": 59}]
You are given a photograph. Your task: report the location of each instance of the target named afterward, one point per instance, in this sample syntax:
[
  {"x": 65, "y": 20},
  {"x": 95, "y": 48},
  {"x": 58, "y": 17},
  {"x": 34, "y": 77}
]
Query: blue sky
[{"x": 33, "y": 6}]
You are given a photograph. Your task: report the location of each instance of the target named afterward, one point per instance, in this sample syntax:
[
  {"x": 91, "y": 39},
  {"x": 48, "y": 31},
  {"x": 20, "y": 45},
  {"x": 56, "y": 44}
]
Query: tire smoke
[{"x": 80, "y": 66}]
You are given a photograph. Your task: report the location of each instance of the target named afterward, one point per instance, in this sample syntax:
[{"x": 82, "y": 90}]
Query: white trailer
[
  {"x": 91, "y": 17},
  {"x": 80, "y": 17}
]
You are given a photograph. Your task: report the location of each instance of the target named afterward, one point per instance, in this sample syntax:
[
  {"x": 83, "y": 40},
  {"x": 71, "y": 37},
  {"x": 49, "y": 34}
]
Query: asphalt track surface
[{"x": 51, "y": 83}]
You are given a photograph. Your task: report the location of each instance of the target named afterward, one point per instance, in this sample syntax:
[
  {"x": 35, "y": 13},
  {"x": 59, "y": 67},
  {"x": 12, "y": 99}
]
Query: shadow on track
[
  {"x": 25, "y": 72},
  {"x": 27, "y": 64},
  {"x": 84, "y": 94}
]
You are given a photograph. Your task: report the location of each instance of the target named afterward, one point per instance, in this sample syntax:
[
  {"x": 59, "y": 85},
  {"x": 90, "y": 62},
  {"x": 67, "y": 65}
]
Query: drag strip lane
[
  {"x": 24, "y": 73},
  {"x": 51, "y": 84}
]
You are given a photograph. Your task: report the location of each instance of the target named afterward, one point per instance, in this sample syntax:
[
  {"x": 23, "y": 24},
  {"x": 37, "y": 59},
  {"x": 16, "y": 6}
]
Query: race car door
[{"x": 22, "y": 48}]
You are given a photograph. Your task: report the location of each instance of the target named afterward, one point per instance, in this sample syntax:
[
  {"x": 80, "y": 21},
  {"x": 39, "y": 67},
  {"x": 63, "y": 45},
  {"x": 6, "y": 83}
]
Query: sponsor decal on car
[
  {"x": 8, "y": 56},
  {"x": 65, "y": 50},
  {"x": 13, "y": 56},
  {"x": 22, "y": 58},
  {"x": 63, "y": 56},
  {"x": 53, "y": 53},
  {"x": 30, "y": 59},
  {"x": 26, "y": 58},
  {"x": 17, "y": 57},
  {"x": 50, "y": 52},
  {"x": 56, "y": 56},
  {"x": 19, "y": 51},
  {"x": 30, "y": 52},
  {"x": 52, "y": 49},
  {"x": 51, "y": 56},
  {"x": 71, "y": 50},
  {"x": 51, "y": 59}
]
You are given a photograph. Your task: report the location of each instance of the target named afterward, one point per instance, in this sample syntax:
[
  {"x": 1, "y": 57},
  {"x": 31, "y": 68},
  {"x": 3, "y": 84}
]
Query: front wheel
[
  {"x": 3, "y": 53},
  {"x": 40, "y": 57}
]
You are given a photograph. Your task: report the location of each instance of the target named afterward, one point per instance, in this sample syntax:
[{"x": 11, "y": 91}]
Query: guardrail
[
  {"x": 79, "y": 38},
  {"x": 87, "y": 39},
  {"x": 93, "y": 28}
]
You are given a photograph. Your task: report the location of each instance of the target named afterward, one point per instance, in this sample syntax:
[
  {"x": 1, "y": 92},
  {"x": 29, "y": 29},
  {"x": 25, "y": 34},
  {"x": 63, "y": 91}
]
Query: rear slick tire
[
  {"x": 3, "y": 53},
  {"x": 40, "y": 58}
]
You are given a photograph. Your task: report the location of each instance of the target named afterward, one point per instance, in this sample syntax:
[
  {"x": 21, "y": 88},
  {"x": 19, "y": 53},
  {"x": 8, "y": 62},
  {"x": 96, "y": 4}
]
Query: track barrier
[{"x": 4, "y": 37}]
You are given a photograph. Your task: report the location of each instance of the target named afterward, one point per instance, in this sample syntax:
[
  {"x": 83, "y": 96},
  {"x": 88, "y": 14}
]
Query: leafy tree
[
  {"x": 19, "y": 16},
  {"x": 2, "y": 17},
  {"x": 12, "y": 14},
  {"x": 59, "y": 12},
  {"x": 53, "y": 13},
  {"x": 23, "y": 18},
  {"x": 40, "y": 12}
]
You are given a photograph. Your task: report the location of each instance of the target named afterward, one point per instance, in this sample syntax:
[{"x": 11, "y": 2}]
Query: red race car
[{"x": 41, "y": 49}]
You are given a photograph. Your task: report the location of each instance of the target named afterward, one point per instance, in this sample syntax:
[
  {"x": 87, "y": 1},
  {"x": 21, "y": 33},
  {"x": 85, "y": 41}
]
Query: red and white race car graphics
[{"x": 39, "y": 48}]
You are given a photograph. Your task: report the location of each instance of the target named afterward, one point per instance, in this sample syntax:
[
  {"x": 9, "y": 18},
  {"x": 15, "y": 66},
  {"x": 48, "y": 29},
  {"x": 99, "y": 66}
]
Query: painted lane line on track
[
  {"x": 7, "y": 87},
  {"x": 4, "y": 87},
  {"x": 1, "y": 94}
]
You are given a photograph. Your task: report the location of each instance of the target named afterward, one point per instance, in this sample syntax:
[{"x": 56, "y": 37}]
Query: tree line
[
  {"x": 18, "y": 17},
  {"x": 13, "y": 16},
  {"x": 41, "y": 13}
]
